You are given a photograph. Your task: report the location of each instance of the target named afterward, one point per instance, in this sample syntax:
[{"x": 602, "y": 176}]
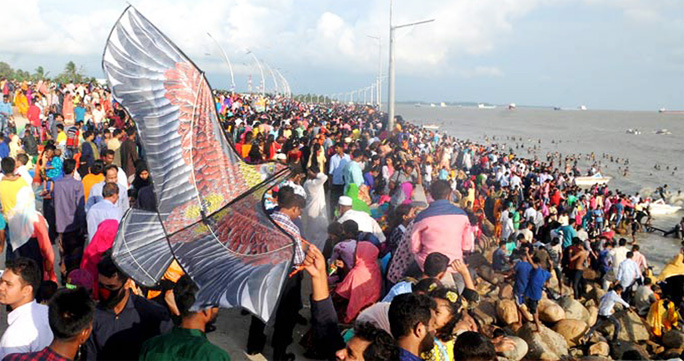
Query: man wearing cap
[{"x": 364, "y": 220}]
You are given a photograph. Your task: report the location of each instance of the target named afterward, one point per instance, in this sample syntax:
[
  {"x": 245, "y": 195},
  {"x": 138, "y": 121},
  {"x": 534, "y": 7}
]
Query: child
[{"x": 52, "y": 170}]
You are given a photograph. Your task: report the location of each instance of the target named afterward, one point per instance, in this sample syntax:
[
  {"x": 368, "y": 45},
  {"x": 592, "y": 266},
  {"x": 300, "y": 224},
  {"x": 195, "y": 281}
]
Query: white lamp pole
[
  {"x": 390, "y": 96},
  {"x": 230, "y": 66}
]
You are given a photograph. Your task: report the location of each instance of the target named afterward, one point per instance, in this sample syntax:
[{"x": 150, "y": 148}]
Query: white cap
[{"x": 345, "y": 201}]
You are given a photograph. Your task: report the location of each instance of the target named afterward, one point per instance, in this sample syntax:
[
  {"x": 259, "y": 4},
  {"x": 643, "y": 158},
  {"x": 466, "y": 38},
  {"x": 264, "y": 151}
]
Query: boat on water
[
  {"x": 663, "y": 131},
  {"x": 431, "y": 126},
  {"x": 633, "y": 131},
  {"x": 591, "y": 180},
  {"x": 556, "y": 108},
  {"x": 483, "y": 106},
  {"x": 432, "y": 105},
  {"x": 418, "y": 105},
  {"x": 667, "y": 111},
  {"x": 659, "y": 207},
  {"x": 582, "y": 107},
  {"x": 442, "y": 104},
  {"x": 511, "y": 106}
]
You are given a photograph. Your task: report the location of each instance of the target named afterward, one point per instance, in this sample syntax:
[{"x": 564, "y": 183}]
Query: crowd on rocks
[{"x": 423, "y": 246}]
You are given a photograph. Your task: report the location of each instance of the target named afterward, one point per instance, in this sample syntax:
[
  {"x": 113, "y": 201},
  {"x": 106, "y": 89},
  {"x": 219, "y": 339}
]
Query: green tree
[{"x": 39, "y": 73}]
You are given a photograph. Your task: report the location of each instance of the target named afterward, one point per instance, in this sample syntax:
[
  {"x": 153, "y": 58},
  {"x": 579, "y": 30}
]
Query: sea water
[{"x": 583, "y": 132}]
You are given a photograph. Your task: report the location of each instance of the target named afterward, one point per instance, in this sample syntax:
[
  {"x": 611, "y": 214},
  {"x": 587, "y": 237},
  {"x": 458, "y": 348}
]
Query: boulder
[
  {"x": 520, "y": 350},
  {"x": 571, "y": 330},
  {"x": 632, "y": 327},
  {"x": 488, "y": 228},
  {"x": 506, "y": 292},
  {"x": 618, "y": 352},
  {"x": 673, "y": 339},
  {"x": 590, "y": 274},
  {"x": 550, "y": 311},
  {"x": 595, "y": 358},
  {"x": 543, "y": 345},
  {"x": 575, "y": 352},
  {"x": 595, "y": 293},
  {"x": 507, "y": 312},
  {"x": 599, "y": 349},
  {"x": 574, "y": 309},
  {"x": 485, "y": 312},
  {"x": 593, "y": 315},
  {"x": 476, "y": 259},
  {"x": 489, "y": 275}
]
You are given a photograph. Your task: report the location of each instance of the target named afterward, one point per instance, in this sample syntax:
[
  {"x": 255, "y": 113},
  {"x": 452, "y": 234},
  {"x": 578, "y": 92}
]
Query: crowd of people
[{"x": 400, "y": 222}]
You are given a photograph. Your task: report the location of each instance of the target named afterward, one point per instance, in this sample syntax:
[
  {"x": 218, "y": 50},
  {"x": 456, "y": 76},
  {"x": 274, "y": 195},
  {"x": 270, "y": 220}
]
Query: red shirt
[
  {"x": 45, "y": 354},
  {"x": 33, "y": 115}
]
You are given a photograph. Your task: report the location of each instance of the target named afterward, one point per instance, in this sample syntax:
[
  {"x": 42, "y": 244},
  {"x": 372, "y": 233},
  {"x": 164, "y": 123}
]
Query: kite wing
[{"x": 210, "y": 214}]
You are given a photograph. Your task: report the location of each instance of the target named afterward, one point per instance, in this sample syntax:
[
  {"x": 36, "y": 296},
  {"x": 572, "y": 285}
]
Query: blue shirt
[
  {"x": 79, "y": 113},
  {"x": 522, "y": 277},
  {"x": 499, "y": 259},
  {"x": 407, "y": 356},
  {"x": 6, "y": 108},
  {"x": 337, "y": 165},
  {"x": 568, "y": 234},
  {"x": 4, "y": 150},
  {"x": 538, "y": 278},
  {"x": 398, "y": 289},
  {"x": 605, "y": 260}
]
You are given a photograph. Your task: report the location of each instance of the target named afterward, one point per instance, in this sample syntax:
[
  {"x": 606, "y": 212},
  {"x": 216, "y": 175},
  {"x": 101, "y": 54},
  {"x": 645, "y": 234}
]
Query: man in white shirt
[
  {"x": 606, "y": 306},
  {"x": 644, "y": 298},
  {"x": 28, "y": 327},
  {"x": 627, "y": 275},
  {"x": 104, "y": 209},
  {"x": 619, "y": 254},
  {"x": 365, "y": 222},
  {"x": 111, "y": 176}
]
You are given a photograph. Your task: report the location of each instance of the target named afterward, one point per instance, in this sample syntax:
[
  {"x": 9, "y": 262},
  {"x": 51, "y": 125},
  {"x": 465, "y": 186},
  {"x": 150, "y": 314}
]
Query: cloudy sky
[{"x": 607, "y": 54}]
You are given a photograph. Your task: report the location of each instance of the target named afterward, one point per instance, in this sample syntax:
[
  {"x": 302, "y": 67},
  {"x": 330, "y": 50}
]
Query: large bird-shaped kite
[{"x": 210, "y": 215}]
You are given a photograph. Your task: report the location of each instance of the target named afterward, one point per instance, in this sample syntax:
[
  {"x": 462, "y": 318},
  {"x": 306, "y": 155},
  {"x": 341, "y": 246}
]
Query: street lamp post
[
  {"x": 230, "y": 66},
  {"x": 390, "y": 97},
  {"x": 378, "y": 80},
  {"x": 261, "y": 70}
]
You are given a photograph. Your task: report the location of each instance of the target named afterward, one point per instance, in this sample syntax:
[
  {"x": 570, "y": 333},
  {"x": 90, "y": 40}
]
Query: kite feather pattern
[{"x": 210, "y": 215}]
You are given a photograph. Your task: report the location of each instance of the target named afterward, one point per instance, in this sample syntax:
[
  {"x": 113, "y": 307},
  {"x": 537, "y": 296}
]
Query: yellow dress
[{"x": 21, "y": 102}]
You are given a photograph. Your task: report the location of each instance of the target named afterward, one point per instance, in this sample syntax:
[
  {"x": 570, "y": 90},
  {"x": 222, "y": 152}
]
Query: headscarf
[
  {"x": 362, "y": 284},
  {"x": 674, "y": 268},
  {"x": 138, "y": 182},
  {"x": 101, "y": 242},
  {"x": 14, "y": 146},
  {"x": 357, "y": 203}
]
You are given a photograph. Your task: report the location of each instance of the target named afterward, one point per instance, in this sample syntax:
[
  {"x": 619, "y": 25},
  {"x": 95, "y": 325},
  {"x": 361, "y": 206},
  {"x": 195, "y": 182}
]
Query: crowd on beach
[{"x": 422, "y": 246}]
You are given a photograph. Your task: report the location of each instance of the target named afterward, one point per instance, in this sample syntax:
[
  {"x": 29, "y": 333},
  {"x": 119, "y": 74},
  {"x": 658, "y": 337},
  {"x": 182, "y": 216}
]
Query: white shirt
[
  {"x": 628, "y": 272},
  {"x": 95, "y": 196},
  {"x": 23, "y": 172},
  {"x": 366, "y": 223},
  {"x": 608, "y": 303},
  {"x": 28, "y": 330},
  {"x": 100, "y": 212},
  {"x": 619, "y": 254}
]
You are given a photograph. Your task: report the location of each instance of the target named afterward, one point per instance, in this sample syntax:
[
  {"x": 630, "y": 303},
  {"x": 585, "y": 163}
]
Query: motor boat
[
  {"x": 591, "y": 180},
  {"x": 633, "y": 131},
  {"x": 663, "y": 131},
  {"x": 659, "y": 207},
  {"x": 582, "y": 107},
  {"x": 442, "y": 104},
  {"x": 483, "y": 106},
  {"x": 511, "y": 106},
  {"x": 431, "y": 126}
]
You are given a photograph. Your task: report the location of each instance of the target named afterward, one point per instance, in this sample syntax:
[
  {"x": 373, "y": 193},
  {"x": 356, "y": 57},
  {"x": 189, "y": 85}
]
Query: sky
[{"x": 605, "y": 54}]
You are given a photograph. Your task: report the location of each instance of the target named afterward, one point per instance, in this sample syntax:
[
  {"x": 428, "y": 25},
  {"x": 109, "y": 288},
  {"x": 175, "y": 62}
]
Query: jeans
[
  {"x": 577, "y": 282},
  {"x": 601, "y": 321}
]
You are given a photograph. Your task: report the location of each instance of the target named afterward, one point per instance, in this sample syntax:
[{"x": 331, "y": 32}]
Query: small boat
[
  {"x": 633, "y": 131},
  {"x": 663, "y": 131},
  {"x": 431, "y": 126},
  {"x": 556, "y": 108},
  {"x": 432, "y": 105},
  {"x": 659, "y": 207},
  {"x": 442, "y": 104},
  {"x": 590, "y": 181},
  {"x": 417, "y": 105},
  {"x": 511, "y": 106},
  {"x": 663, "y": 110},
  {"x": 482, "y": 106},
  {"x": 582, "y": 107}
]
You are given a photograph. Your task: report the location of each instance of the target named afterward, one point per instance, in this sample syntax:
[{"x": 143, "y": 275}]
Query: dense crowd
[{"x": 408, "y": 229}]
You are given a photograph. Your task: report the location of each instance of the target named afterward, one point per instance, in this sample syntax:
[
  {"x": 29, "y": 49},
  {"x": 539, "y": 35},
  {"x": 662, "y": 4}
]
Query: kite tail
[{"x": 142, "y": 252}]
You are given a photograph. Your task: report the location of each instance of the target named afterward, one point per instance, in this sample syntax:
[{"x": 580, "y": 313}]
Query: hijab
[{"x": 362, "y": 285}]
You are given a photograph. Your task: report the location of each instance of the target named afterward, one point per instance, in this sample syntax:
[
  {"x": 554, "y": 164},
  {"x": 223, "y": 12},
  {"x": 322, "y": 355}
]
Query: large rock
[
  {"x": 590, "y": 274},
  {"x": 599, "y": 349},
  {"x": 550, "y": 311},
  {"x": 506, "y": 292},
  {"x": 571, "y": 330},
  {"x": 574, "y": 309},
  {"x": 485, "y": 312},
  {"x": 488, "y": 274},
  {"x": 595, "y": 293},
  {"x": 673, "y": 339},
  {"x": 593, "y": 315},
  {"x": 545, "y": 344},
  {"x": 520, "y": 350},
  {"x": 632, "y": 327},
  {"x": 618, "y": 352},
  {"x": 507, "y": 312}
]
